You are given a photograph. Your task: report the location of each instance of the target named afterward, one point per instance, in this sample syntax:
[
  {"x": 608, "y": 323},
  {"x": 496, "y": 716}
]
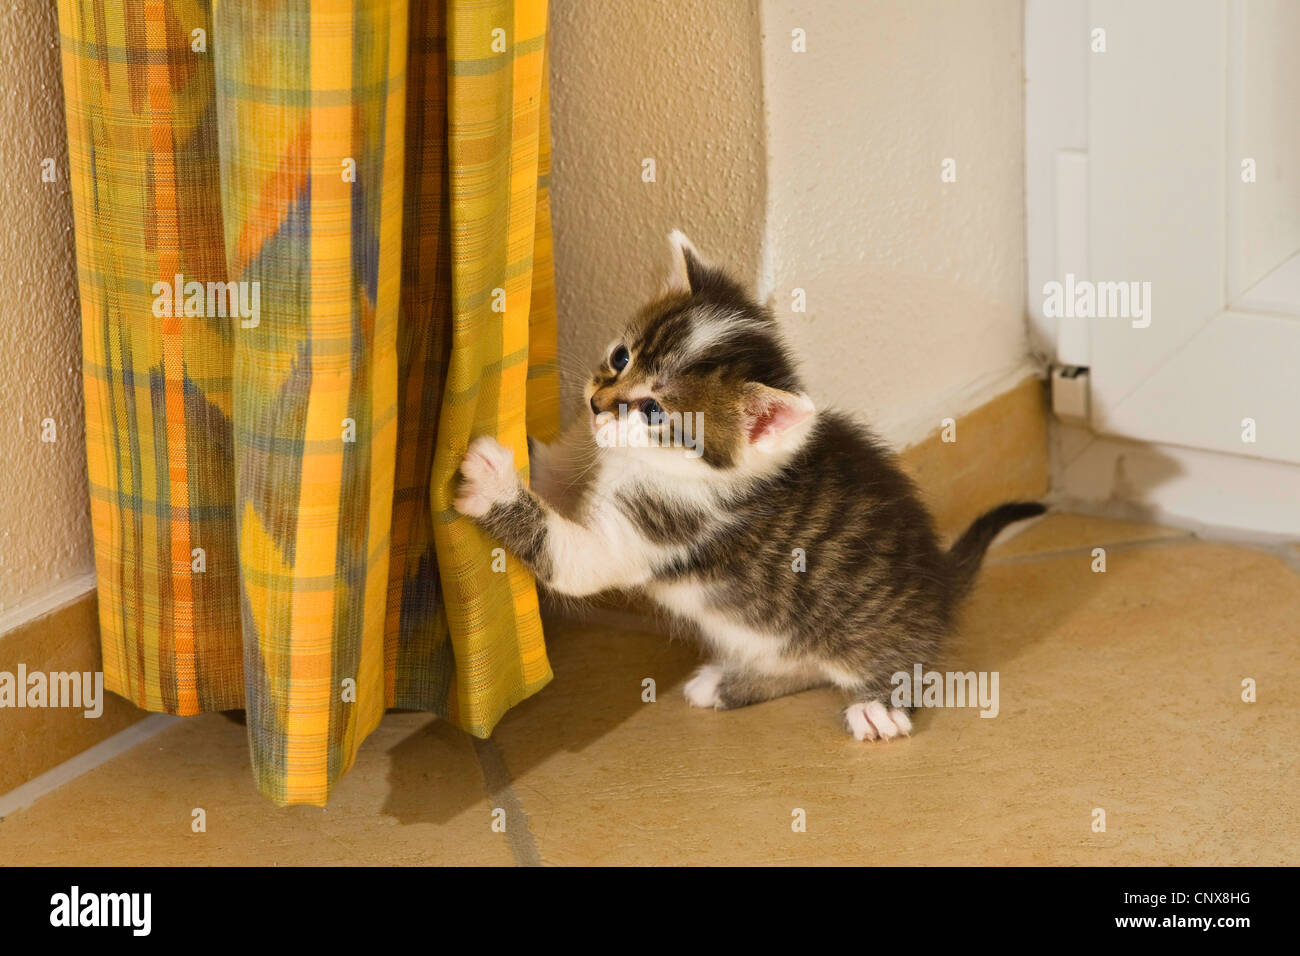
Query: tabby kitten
[{"x": 705, "y": 477}]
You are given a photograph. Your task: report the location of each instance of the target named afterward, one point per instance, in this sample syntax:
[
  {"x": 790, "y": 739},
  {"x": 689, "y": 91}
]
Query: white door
[{"x": 1193, "y": 178}]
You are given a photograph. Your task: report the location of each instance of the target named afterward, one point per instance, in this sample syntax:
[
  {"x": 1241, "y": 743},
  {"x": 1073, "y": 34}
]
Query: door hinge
[{"x": 1070, "y": 393}]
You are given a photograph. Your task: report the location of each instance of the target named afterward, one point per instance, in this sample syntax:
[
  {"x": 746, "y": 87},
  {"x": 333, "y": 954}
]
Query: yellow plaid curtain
[{"x": 314, "y": 255}]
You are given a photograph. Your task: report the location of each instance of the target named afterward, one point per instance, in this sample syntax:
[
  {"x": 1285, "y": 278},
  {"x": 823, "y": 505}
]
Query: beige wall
[
  {"x": 915, "y": 286},
  {"x": 679, "y": 83},
  {"x": 816, "y": 170},
  {"x": 44, "y": 522}
]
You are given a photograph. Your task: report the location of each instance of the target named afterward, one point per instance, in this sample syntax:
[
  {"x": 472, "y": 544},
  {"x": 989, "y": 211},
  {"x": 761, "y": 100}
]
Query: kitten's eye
[
  {"x": 650, "y": 408},
  {"x": 619, "y": 359}
]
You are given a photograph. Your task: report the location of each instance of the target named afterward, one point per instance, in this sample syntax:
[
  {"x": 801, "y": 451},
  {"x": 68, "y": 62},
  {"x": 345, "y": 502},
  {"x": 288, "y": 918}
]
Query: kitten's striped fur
[{"x": 716, "y": 539}]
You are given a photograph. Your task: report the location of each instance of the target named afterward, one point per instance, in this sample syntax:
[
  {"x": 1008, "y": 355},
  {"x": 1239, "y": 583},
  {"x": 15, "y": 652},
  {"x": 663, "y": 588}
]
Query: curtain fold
[{"x": 272, "y": 464}]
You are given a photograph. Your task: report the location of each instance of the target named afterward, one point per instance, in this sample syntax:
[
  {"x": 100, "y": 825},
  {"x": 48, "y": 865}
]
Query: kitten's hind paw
[
  {"x": 872, "y": 720},
  {"x": 702, "y": 689}
]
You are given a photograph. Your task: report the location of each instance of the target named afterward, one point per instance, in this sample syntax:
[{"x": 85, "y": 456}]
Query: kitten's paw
[
  {"x": 487, "y": 476},
  {"x": 872, "y": 720},
  {"x": 702, "y": 689}
]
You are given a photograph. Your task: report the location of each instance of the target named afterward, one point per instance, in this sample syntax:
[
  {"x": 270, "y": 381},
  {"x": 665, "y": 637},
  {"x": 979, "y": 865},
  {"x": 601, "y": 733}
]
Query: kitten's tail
[{"x": 965, "y": 556}]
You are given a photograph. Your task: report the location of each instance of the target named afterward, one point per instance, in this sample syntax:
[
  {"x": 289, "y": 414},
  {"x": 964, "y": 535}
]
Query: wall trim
[
  {"x": 55, "y": 599},
  {"x": 66, "y": 638},
  {"x": 906, "y": 431},
  {"x": 26, "y": 794}
]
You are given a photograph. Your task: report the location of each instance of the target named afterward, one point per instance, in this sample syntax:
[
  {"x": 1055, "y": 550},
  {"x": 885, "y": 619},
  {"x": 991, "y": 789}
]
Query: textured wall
[
  {"x": 677, "y": 82},
  {"x": 44, "y": 514},
  {"x": 816, "y": 170},
  {"x": 915, "y": 286}
]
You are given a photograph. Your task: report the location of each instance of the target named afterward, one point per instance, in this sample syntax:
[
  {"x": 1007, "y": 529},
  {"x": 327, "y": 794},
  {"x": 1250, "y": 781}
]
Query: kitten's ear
[
  {"x": 771, "y": 414},
  {"x": 687, "y": 268}
]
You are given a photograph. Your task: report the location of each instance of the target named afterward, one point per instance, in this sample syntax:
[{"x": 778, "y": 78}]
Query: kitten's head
[{"x": 702, "y": 374}]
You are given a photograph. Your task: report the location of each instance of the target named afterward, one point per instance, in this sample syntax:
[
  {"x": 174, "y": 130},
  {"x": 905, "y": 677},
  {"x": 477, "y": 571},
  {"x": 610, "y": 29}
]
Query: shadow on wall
[{"x": 657, "y": 121}]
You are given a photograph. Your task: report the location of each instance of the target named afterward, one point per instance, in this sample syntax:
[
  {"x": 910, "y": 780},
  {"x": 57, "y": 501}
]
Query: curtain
[{"x": 314, "y": 257}]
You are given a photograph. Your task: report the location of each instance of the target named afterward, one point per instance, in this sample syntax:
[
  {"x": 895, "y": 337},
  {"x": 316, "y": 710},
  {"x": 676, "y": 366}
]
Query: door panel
[{"x": 1166, "y": 206}]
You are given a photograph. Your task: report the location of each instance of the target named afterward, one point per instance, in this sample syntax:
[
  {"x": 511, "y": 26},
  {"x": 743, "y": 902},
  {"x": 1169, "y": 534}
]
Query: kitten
[{"x": 705, "y": 477}]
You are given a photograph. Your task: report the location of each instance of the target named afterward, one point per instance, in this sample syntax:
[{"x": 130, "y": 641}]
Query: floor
[{"x": 1119, "y": 692}]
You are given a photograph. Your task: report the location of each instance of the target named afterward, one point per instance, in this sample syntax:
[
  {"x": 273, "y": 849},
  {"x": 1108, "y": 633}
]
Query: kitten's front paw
[
  {"x": 872, "y": 720},
  {"x": 487, "y": 476},
  {"x": 702, "y": 689}
]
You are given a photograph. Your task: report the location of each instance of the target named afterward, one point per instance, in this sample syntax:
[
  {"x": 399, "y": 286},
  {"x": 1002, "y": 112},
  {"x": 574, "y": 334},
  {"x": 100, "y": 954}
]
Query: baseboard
[
  {"x": 23, "y": 796},
  {"x": 1000, "y": 454},
  {"x": 35, "y": 740}
]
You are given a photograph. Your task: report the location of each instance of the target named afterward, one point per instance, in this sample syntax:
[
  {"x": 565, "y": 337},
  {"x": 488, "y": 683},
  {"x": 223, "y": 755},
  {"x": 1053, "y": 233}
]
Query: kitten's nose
[{"x": 595, "y": 409}]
